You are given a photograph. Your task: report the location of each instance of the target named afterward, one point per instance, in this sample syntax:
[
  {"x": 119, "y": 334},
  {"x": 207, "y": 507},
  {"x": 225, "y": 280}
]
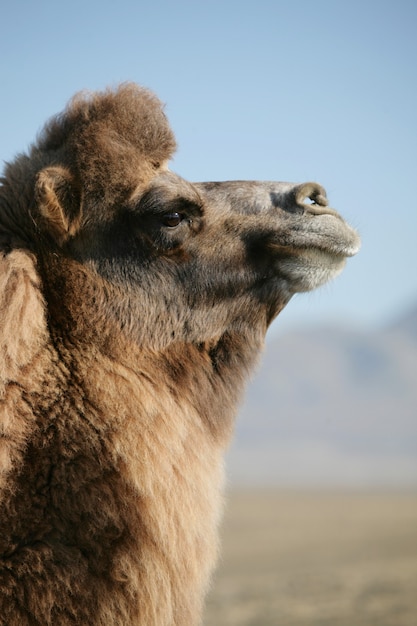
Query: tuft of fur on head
[{"x": 110, "y": 139}]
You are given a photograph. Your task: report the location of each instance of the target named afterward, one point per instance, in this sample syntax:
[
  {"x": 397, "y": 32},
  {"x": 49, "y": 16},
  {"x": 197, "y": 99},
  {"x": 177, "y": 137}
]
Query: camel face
[{"x": 203, "y": 256}]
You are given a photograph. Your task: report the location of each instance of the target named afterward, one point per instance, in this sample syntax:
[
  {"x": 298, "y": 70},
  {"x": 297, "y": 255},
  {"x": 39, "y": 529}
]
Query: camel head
[{"x": 167, "y": 260}]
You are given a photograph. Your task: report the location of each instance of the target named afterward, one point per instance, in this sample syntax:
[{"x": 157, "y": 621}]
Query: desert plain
[{"x": 316, "y": 558}]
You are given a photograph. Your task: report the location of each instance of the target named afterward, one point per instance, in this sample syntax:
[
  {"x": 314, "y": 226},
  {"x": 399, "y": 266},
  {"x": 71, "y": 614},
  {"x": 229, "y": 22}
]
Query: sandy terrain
[{"x": 316, "y": 559}]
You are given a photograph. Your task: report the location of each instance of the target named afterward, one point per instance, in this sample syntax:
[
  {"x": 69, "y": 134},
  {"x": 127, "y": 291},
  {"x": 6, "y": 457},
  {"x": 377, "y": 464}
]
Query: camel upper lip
[
  {"x": 340, "y": 238},
  {"x": 324, "y": 230}
]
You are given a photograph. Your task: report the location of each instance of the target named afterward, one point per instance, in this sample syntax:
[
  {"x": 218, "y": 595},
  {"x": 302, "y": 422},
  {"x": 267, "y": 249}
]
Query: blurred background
[{"x": 326, "y": 442}]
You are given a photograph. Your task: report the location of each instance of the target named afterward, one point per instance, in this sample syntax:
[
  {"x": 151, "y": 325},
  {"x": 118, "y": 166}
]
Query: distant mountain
[
  {"x": 406, "y": 323},
  {"x": 332, "y": 406}
]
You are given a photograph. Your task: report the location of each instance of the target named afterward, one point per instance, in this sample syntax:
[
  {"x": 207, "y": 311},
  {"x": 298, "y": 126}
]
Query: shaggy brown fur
[{"x": 133, "y": 304}]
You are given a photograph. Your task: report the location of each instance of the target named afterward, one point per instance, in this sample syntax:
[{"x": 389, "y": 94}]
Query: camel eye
[{"x": 172, "y": 219}]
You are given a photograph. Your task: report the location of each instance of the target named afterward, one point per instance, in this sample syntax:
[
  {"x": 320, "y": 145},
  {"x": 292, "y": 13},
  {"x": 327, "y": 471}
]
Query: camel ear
[{"x": 59, "y": 202}]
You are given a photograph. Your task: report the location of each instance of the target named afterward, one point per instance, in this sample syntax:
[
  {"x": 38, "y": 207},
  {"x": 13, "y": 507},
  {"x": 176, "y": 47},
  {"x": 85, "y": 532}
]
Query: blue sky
[{"x": 294, "y": 90}]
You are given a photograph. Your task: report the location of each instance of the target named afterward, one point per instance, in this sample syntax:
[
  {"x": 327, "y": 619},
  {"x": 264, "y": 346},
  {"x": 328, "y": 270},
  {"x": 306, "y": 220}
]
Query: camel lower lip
[
  {"x": 323, "y": 255},
  {"x": 343, "y": 253},
  {"x": 290, "y": 251}
]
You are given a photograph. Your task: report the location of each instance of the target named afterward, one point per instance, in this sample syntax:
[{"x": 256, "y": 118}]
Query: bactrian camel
[{"x": 133, "y": 306}]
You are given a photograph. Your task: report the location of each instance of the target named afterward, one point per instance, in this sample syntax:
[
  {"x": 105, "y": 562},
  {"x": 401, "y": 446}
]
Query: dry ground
[{"x": 316, "y": 559}]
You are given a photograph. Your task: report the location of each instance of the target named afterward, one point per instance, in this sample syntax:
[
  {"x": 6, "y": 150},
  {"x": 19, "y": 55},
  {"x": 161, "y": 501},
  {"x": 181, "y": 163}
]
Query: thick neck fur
[{"x": 123, "y": 449}]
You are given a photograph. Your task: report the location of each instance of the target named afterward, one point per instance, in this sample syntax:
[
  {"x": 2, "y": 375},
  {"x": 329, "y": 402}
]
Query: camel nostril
[
  {"x": 310, "y": 194},
  {"x": 309, "y": 200}
]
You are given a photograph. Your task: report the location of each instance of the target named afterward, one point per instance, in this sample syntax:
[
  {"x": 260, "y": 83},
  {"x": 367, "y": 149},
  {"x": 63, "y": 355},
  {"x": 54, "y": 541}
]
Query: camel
[{"x": 133, "y": 307}]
